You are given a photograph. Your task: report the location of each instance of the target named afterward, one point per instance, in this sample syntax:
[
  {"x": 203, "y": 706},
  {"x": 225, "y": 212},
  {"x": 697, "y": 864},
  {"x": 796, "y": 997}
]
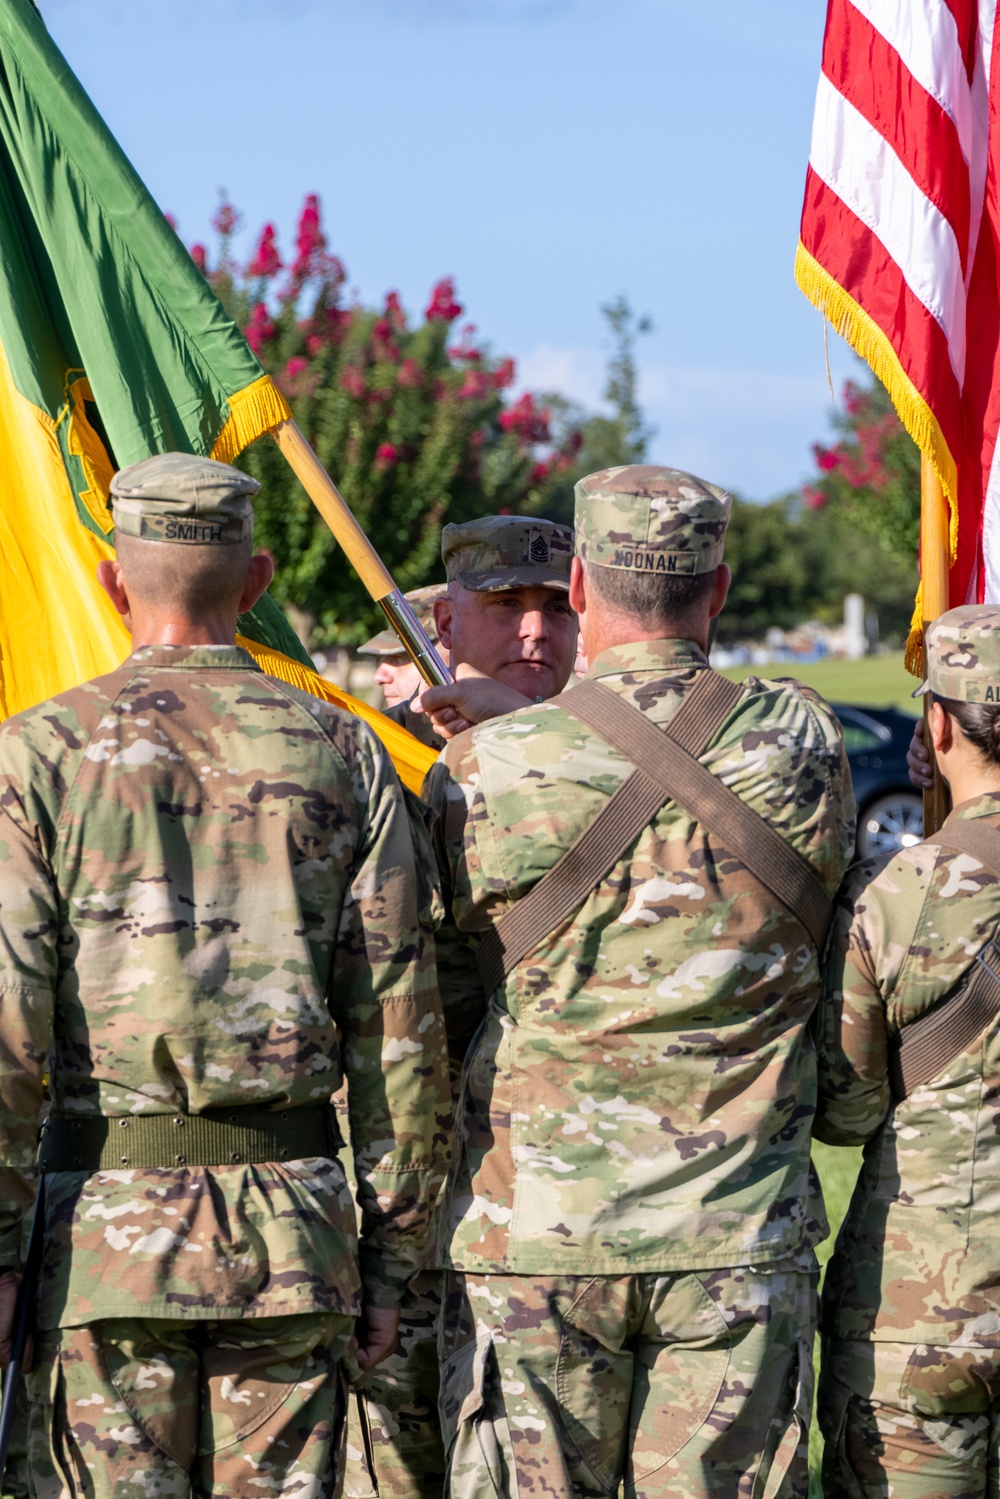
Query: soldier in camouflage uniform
[
  {"x": 505, "y": 614},
  {"x": 208, "y": 914},
  {"x": 395, "y": 672},
  {"x": 910, "y": 1385},
  {"x": 632, "y": 1216}
]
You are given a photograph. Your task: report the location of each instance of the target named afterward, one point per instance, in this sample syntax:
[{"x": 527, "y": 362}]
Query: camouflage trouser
[
  {"x": 15, "y": 1478},
  {"x": 130, "y": 1409},
  {"x": 680, "y": 1386},
  {"x": 911, "y": 1421},
  {"x": 398, "y": 1405}
]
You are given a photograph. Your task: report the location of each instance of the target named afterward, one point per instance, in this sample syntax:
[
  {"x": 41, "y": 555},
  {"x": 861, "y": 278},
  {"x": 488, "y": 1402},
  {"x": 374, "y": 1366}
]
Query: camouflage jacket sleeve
[
  {"x": 462, "y": 994},
  {"x": 851, "y": 1031},
  {"x": 417, "y": 724},
  {"x": 28, "y": 971},
  {"x": 385, "y": 1000}
]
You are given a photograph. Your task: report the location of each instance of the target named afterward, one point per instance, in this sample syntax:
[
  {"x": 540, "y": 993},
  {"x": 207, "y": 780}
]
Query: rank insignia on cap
[
  {"x": 507, "y": 551},
  {"x": 539, "y": 549}
]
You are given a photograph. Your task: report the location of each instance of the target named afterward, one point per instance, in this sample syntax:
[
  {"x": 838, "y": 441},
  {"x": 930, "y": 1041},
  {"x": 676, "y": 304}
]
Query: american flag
[{"x": 900, "y": 241}]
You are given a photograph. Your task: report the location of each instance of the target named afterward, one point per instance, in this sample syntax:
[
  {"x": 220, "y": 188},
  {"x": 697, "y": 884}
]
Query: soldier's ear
[
  {"x": 942, "y": 730},
  {"x": 111, "y": 579},
  {"x": 577, "y": 586},
  {"x": 259, "y": 575},
  {"x": 720, "y": 590},
  {"x": 444, "y": 611}
]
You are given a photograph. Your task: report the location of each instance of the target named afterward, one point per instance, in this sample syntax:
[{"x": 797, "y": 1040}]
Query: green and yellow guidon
[{"x": 113, "y": 347}]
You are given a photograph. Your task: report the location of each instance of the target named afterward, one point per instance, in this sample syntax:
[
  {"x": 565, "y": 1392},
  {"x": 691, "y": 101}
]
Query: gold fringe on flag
[
  {"x": 253, "y": 411},
  {"x": 867, "y": 339},
  {"x": 411, "y": 758},
  {"x": 913, "y": 657}
]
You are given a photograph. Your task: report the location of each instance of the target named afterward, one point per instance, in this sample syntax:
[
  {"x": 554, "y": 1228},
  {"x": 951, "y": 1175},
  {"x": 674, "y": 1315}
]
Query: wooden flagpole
[
  {"x": 934, "y": 565},
  {"x": 359, "y": 551}
]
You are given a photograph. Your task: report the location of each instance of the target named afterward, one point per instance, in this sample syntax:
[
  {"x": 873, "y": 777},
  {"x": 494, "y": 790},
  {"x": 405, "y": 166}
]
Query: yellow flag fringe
[
  {"x": 254, "y": 410},
  {"x": 411, "y": 758},
  {"x": 867, "y": 339}
]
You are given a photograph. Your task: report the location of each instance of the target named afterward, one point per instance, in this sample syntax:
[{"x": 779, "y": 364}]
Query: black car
[{"x": 890, "y": 811}]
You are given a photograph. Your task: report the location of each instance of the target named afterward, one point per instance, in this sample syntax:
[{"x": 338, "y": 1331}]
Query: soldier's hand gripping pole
[
  {"x": 934, "y": 563},
  {"x": 360, "y": 553},
  {"x": 26, "y": 1298}
]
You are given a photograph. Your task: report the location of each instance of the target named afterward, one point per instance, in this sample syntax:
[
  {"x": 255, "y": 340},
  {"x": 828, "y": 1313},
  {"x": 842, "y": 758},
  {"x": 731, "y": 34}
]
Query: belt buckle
[{"x": 992, "y": 948}]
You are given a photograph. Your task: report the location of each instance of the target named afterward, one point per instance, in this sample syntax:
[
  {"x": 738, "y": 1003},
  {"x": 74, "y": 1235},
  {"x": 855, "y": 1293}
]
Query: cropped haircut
[
  {"x": 195, "y": 580},
  {"x": 979, "y": 722},
  {"x": 656, "y": 600}
]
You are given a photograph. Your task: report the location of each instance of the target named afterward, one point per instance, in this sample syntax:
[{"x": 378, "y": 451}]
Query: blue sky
[{"x": 546, "y": 153}]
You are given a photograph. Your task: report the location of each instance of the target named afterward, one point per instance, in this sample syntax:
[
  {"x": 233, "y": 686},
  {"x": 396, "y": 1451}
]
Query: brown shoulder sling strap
[
  {"x": 925, "y": 1048},
  {"x": 667, "y": 769}
]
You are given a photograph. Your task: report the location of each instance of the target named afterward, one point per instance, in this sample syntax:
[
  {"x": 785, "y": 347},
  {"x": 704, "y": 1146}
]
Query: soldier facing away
[
  {"x": 910, "y": 1382},
  {"x": 208, "y": 915},
  {"x": 505, "y": 616},
  {"x": 631, "y": 1288}
]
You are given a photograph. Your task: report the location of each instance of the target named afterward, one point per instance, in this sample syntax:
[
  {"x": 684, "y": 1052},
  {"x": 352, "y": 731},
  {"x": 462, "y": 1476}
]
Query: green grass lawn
[{"x": 874, "y": 681}]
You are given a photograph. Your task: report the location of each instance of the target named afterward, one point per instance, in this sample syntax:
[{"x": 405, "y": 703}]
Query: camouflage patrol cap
[
  {"x": 651, "y": 520},
  {"x": 507, "y": 551},
  {"x": 180, "y": 497},
  {"x": 962, "y": 655},
  {"x": 421, "y": 601}
]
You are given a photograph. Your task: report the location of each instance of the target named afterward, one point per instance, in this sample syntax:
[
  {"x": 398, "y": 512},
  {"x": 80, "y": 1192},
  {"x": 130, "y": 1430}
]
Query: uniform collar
[
  {"x": 977, "y": 806},
  {"x": 193, "y": 658},
  {"x": 648, "y": 655}
]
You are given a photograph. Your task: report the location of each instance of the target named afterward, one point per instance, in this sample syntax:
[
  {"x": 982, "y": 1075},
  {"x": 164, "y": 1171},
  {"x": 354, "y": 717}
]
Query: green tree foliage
[
  {"x": 415, "y": 424},
  {"x": 872, "y": 473},
  {"x": 795, "y": 558},
  {"x": 624, "y": 436},
  {"x": 791, "y": 562},
  {"x": 763, "y": 547},
  {"x": 855, "y": 528},
  {"x": 418, "y": 425},
  {"x": 604, "y": 440}
]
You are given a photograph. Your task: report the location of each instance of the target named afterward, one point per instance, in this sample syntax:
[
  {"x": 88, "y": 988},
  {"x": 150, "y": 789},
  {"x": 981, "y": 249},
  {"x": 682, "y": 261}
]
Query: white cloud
[
  {"x": 691, "y": 392},
  {"x": 576, "y": 373},
  {"x": 750, "y": 429}
]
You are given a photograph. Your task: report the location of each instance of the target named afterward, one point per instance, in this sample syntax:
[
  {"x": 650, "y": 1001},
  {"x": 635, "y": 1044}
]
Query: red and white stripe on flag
[{"x": 900, "y": 241}]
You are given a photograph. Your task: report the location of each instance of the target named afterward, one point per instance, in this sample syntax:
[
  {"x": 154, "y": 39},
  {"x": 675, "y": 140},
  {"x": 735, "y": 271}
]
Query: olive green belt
[{"x": 219, "y": 1137}]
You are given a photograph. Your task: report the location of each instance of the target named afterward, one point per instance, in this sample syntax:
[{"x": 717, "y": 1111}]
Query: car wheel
[{"x": 890, "y": 823}]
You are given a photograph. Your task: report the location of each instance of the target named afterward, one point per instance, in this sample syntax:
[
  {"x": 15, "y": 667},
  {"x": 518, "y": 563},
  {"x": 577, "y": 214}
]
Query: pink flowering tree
[
  {"x": 854, "y": 527},
  {"x": 871, "y": 472},
  {"x": 413, "y": 418}
]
